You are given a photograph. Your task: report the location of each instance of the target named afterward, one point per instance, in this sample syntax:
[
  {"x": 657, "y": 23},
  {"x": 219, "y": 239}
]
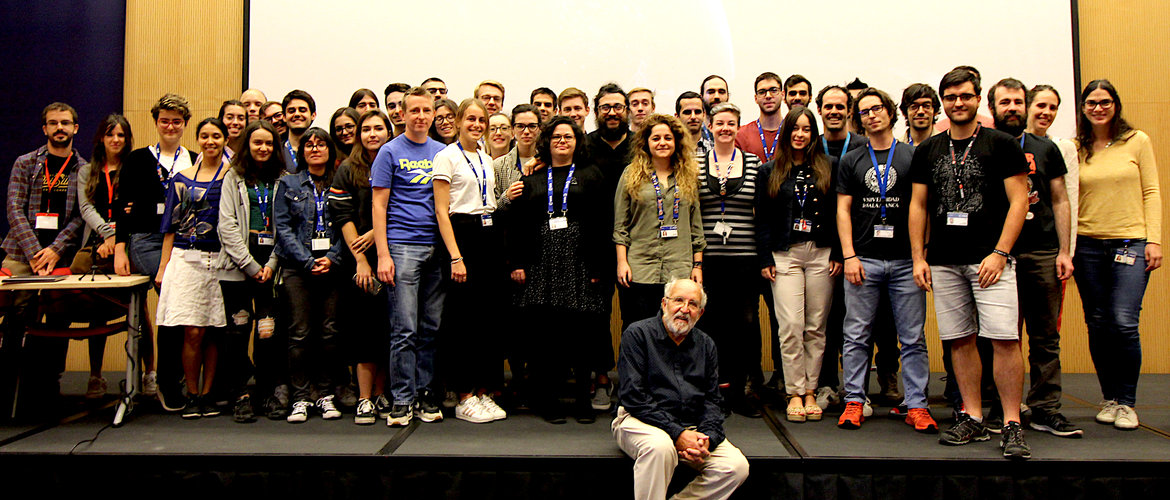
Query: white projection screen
[{"x": 331, "y": 49}]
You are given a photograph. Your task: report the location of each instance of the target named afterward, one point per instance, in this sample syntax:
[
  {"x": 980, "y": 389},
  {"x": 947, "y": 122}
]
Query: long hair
[
  {"x": 96, "y": 172},
  {"x": 251, "y": 170},
  {"x": 783, "y": 163},
  {"x": 359, "y": 158},
  {"x": 682, "y": 161},
  {"x": 1118, "y": 127},
  {"x": 343, "y": 149},
  {"x": 544, "y": 140},
  {"x": 330, "y": 163},
  {"x": 434, "y": 132}
]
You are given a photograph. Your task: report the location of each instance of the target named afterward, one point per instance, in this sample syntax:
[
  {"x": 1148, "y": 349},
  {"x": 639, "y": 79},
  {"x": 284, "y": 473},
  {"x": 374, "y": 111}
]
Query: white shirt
[
  {"x": 454, "y": 165},
  {"x": 170, "y": 162}
]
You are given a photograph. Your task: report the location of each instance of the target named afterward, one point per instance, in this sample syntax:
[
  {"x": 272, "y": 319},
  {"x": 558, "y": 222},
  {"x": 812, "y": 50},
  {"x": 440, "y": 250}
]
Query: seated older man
[{"x": 669, "y": 401}]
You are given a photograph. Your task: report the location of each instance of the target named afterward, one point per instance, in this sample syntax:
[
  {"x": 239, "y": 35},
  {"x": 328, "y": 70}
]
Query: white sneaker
[
  {"x": 489, "y": 405},
  {"x": 601, "y": 397},
  {"x": 149, "y": 384},
  {"x": 328, "y": 410},
  {"x": 96, "y": 388},
  {"x": 472, "y": 411},
  {"x": 826, "y": 397},
  {"x": 867, "y": 409},
  {"x": 1126, "y": 418},
  {"x": 1108, "y": 413},
  {"x": 300, "y": 412}
]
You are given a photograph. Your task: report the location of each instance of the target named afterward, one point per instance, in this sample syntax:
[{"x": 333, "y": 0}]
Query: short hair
[
  {"x": 848, "y": 96},
  {"x": 544, "y": 140},
  {"x": 767, "y": 75},
  {"x": 433, "y": 79},
  {"x": 669, "y": 289},
  {"x": 362, "y": 93},
  {"x": 416, "y": 92},
  {"x": 795, "y": 80},
  {"x": 703, "y": 86},
  {"x": 887, "y": 102},
  {"x": 1008, "y": 83},
  {"x": 172, "y": 102},
  {"x": 269, "y": 104},
  {"x": 299, "y": 94},
  {"x": 1041, "y": 88},
  {"x": 395, "y": 87},
  {"x": 959, "y": 76},
  {"x": 542, "y": 91},
  {"x": 229, "y": 102},
  {"x": 524, "y": 108},
  {"x": 570, "y": 93},
  {"x": 856, "y": 84},
  {"x": 727, "y": 107},
  {"x": 490, "y": 83},
  {"x": 607, "y": 89},
  {"x": 972, "y": 69},
  {"x": 60, "y": 106},
  {"x": 690, "y": 94},
  {"x": 915, "y": 92},
  {"x": 635, "y": 90}
]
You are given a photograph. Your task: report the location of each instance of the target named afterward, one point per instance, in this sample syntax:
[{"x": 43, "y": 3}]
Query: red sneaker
[
  {"x": 852, "y": 417},
  {"x": 921, "y": 420}
]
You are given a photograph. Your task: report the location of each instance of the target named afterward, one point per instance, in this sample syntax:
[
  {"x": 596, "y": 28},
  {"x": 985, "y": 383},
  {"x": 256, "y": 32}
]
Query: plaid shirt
[{"x": 24, "y": 202}]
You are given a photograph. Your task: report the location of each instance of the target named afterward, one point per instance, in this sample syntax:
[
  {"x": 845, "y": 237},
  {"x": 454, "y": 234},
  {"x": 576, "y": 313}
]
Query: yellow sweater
[{"x": 1110, "y": 185}]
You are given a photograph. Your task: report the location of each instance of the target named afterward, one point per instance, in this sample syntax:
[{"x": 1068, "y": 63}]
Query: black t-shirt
[
  {"x": 1045, "y": 163},
  {"x": 53, "y": 201},
  {"x": 973, "y": 187},
  {"x": 837, "y": 148},
  {"x": 857, "y": 177}
]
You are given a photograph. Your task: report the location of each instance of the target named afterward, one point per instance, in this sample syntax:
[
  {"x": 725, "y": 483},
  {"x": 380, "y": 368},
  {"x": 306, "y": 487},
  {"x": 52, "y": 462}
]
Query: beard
[
  {"x": 297, "y": 131},
  {"x": 612, "y": 134},
  {"x": 679, "y": 330},
  {"x": 62, "y": 143},
  {"x": 1012, "y": 129}
]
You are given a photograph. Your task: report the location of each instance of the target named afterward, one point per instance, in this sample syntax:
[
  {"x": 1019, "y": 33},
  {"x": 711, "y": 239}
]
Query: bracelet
[
  {"x": 457, "y": 260},
  {"x": 698, "y": 264},
  {"x": 849, "y": 257},
  {"x": 1000, "y": 252}
]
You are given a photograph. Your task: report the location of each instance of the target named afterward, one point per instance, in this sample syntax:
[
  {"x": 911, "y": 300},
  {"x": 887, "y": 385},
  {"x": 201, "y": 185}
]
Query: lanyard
[
  {"x": 109, "y": 195},
  {"x": 199, "y": 161},
  {"x": 482, "y": 185},
  {"x": 262, "y": 200},
  {"x": 958, "y": 166},
  {"x": 845, "y": 149},
  {"x": 801, "y": 190},
  {"x": 564, "y": 192},
  {"x": 658, "y": 196},
  {"x": 706, "y": 134},
  {"x": 56, "y": 178},
  {"x": 319, "y": 198},
  {"x": 518, "y": 167},
  {"x": 292, "y": 153},
  {"x": 763, "y": 144},
  {"x": 722, "y": 180},
  {"x": 1022, "y": 139},
  {"x": 909, "y": 138},
  {"x": 162, "y": 173},
  {"x": 883, "y": 179}
]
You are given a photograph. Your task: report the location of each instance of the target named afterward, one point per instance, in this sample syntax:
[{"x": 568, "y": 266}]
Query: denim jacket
[{"x": 295, "y": 219}]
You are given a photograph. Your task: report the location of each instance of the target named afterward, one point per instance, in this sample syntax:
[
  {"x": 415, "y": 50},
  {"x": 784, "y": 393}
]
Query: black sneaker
[
  {"x": 965, "y": 430},
  {"x": 427, "y": 411},
  {"x": 208, "y": 407},
  {"x": 242, "y": 412},
  {"x": 365, "y": 414},
  {"x": 584, "y": 413},
  {"x": 399, "y": 415},
  {"x": 170, "y": 396},
  {"x": 191, "y": 409},
  {"x": 1055, "y": 424},
  {"x": 382, "y": 406},
  {"x": 993, "y": 420},
  {"x": 274, "y": 410},
  {"x": 1013, "y": 443}
]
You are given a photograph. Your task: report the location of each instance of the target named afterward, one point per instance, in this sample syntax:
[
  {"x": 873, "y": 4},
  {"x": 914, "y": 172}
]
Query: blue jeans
[
  {"x": 416, "y": 305},
  {"x": 145, "y": 251},
  {"x": 909, "y": 304},
  {"x": 1112, "y": 295}
]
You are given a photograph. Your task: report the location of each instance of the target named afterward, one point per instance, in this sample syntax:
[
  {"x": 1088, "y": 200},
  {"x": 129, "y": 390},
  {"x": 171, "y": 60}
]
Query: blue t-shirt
[
  {"x": 405, "y": 167},
  {"x": 194, "y": 212}
]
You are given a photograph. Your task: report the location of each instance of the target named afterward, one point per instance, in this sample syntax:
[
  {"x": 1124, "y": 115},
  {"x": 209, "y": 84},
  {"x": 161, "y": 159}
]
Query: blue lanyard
[
  {"x": 482, "y": 185},
  {"x": 825, "y": 144},
  {"x": 518, "y": 167},
  {"x": 1022, "y": 135},
  {"x": 706, "y": 134},
  {"x": 658, "y": 195},
  {"x": 158, "y": 160},
  {"x": 722, "y": 180},
  {"x": 883, "y": 178},
  {"x": 319, "y": 198},
  {"x": 801, "y": 191},
  {"x": 262, "y": 200},
  {"x": 763, "y": 144},
  {"x": 564, "y": 192},
  {"x": 292, "y": 153},
  {"x": 199, "y": 161}
]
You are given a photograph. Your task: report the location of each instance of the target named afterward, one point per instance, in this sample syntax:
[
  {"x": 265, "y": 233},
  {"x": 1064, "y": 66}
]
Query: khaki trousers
[{"x": 802, "y": 294}]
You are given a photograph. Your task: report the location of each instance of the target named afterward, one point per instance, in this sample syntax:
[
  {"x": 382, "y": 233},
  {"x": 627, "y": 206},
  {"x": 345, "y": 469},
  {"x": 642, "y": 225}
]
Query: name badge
[
  {"x": 957, "y": 218},
  {"x": 668, "y": 231},
  {"x": 47, "y": 221},
  {"x": 723, "y": 229},
  {"x": 193, "y": 256},
  {"x": 265, "y": 240},
  {"x": 558, "y": 223},
  {"x": 160, "y": 208},
  {"x": 883, "y": 231},
  {"x": 802, "y": 225},
  {"x": 1124, "y": 257},
  {"x": 320, "y": 244},
  {"x": 486, "y": 220}
]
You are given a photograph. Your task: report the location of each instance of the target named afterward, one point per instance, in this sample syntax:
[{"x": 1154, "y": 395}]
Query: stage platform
[{"x": 524, "y": 457}]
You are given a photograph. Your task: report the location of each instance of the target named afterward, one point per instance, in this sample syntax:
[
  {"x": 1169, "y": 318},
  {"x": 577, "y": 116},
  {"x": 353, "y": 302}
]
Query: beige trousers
[
  {"x": 802, "y": 294},
  {"x": 655, "y": 459}
]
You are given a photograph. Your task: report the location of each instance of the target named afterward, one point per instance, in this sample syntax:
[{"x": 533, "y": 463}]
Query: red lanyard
[
  {"x": 109, "y": 194},
  {"x": 56, "y": 179}
]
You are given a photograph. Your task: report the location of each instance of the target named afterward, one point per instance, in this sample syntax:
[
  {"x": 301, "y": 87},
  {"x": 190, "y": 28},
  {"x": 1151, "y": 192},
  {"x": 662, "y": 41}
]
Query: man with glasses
[
  {"x": 797, "y": 91},
  {"x": 970, "y": 189},
  {"x": 759, "y": 137},
  {"x": 692, "y": 111},
  {"x": 272, "y": 112},
  {"x": 299, "y": 112},
  {"x": 920, "y": 107},
  {"x": 574, "y": 104},
  {"x": 641, "y": 107},
  {"x": 491, "y": 93},
  {"x": 394, "y": 93},
  {"x": 437, "y": 87},
  {"x": 545, "y": 101},
  {"x": 669, "y": 402}
]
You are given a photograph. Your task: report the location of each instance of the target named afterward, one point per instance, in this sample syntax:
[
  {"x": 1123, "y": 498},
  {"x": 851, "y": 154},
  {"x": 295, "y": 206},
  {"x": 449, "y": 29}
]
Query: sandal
[
  {"x": 795, "y": 413},
  {"x": 812, "y": 412}
]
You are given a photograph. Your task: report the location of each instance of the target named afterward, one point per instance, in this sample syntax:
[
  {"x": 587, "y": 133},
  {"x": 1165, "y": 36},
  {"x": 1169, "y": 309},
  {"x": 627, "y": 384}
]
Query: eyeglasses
[
  {"x": 348, "y": 127},
  {"x": 63, "y": 123},
  {"x": 870, "y": 111},
  {"x": 520, "y": 127},
  {"x": 616, "y": 108},
  {"x": 683, "y": 301},
  {"x": 438, "y": 90},
  {"x": 499, "y": 128},
  {"x": 315, "y": 146},
  {"x": 926, "y": 106},
  {"x": 1103, "y": 104},
  {"x": 491, "y": 98},
  {"x": 962, "y": 97},
  {"x": 444, "y": 118},
  {"x": 767, "y": 91},
  {"x": 564, "y": 137}
]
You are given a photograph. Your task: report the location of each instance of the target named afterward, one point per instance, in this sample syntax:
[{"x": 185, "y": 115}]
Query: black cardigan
[
  {"x": 140, "y": 188},
  {"x": 774, "y": 216}
]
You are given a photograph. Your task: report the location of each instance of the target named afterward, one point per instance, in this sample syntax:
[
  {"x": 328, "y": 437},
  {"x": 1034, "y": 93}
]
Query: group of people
[{"x": 411, "y": 252}]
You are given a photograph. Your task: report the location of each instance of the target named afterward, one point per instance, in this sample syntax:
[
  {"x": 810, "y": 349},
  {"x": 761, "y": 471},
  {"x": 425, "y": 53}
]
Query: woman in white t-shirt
[{"x": 465, "y": 202}]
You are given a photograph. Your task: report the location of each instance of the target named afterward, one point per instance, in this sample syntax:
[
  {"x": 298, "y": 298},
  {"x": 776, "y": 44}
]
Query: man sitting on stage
[{"x": 669, "y": 401}]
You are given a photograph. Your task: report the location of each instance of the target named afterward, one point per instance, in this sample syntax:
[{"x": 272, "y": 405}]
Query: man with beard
[
  {"x": 394, "y": 93},
  {"x": 1042, "y": 257},
  {"x": 641, "y": 107},
  {"x": 436, "y": 86},
  {"x": 45, "y": 224},
  {"x": 759, "y": 137},
  {"x": 574, "y": 104},
  {"x": 273, "y": 113},
  {"x": 970, "y": 188},
  {"x": 299, "y": 112},
  {"x": 833, "y": 104},
  {"x": 797, "y": 91},
  {"x": 920, "y": 107},
  {"x": 545, "y": 101},
  {"x": 669, "y": 401},
  {"x": 491, "y": 93},
  {"x": 690, "y": 108},
  {"x": 714, "y": 91},
  {"x": 253, "y": 100}
]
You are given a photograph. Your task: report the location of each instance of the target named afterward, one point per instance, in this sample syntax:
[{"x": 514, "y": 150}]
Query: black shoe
[
  {"x": 382, "y": 406},
  {"x": 242, "y": 412},
  {"x": 427, "y": 411},
  {"x": 899, "y": 411},
  {"x": 583, "y": 412},
  {"x": 993, "y": 421},
  {"x": 1013, "y": 443},
  {"x": 191, "y": 409},
  {"x": 170, "y": 396},
  {"x": 400, "y": 415},
  {"x": 274, "y": 410},
  {"x": 745, "y": 408},
  {"x": 553, "y": 412},
  {"x": 1055, "y": 424},
  {"x": 965, "y": 430},
  {"x": 208, "y": 407}
]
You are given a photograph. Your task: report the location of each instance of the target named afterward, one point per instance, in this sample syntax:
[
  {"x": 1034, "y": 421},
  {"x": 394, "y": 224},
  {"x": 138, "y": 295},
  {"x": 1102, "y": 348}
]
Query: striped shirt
[{"x": 736, "y": 211}]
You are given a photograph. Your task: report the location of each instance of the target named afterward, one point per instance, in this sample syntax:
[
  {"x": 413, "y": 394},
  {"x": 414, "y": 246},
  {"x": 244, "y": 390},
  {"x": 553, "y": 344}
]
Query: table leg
[{"x": 134, "y": 333}]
